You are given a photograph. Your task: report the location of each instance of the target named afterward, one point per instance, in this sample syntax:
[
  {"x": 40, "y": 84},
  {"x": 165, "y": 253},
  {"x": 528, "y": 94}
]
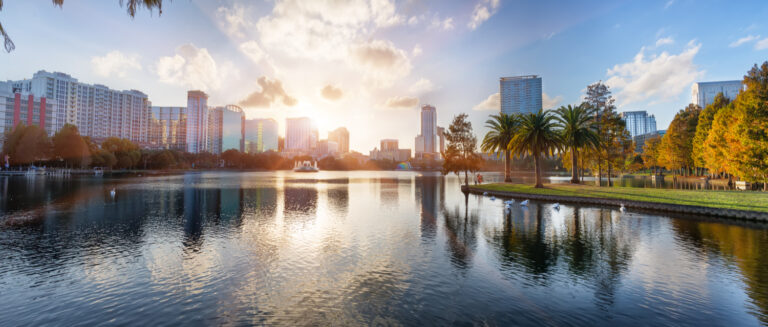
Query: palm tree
[
  {"x": 536, "y": 136},
  {"x": 502, "y": 130},
  {"x": 578, "y": 130}
]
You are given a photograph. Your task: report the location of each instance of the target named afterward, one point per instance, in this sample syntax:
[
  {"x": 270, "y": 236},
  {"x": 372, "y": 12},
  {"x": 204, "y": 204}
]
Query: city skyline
[{"x": 240, "y": 63}]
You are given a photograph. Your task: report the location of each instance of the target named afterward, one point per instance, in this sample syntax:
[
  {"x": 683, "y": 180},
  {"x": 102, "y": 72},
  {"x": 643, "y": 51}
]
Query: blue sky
[{"x": 368, "y": 64}]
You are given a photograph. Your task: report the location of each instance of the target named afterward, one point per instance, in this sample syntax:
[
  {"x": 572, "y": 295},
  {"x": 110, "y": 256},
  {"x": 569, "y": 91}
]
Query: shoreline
[{"x": 551, "y": 195}]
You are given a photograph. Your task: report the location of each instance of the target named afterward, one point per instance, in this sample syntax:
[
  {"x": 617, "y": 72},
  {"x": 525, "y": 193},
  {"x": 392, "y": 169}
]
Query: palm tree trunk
[
  {"x": 466, "y": 178},
  {"x": 507, "y": 167},
  {"x": 574, "y": 166},
  {"x": 599, "y": 173},
  {"x": 537, "y": 163}
]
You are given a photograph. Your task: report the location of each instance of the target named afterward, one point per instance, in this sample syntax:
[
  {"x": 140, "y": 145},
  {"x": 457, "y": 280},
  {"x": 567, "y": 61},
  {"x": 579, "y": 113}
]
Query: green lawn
[{"x": 740, "y": 200}]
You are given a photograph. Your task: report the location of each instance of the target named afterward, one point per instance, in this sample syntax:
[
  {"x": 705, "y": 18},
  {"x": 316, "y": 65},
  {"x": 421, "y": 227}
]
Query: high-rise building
[
  {"x": 327, "y": 147},
  {"x": 197, "y": 121},
  {"x": 389, "y": 144},
  {"x": 425, "y": 141},
  {"x": 703, "y": 93},
  {"x": 638, "y": 122},
  {"x": 341, "y": 137},
  {"x": 16, "y": 108},
  {"x": 96, "y": 110},
  {"x": 298, "y": 134},
  {"x": 520, "y": 94},
  {"x": 168, "y": 128},
  {"x": 261, "y": 135},
  {"x": 441, "y": 138},
  {"x": 225, "y": 129}
]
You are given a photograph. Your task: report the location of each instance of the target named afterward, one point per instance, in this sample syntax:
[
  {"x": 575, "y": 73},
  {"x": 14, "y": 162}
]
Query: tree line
[{"x": 726, "y": 139}]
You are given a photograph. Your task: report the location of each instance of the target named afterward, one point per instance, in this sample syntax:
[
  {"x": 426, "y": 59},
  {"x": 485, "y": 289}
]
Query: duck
[
  {"x": 524, "y": 203},
  {"x": 556, "y": 206},
  {"x": 112, "y": 192},
  {"x": 493, "y": 198},
  {"x": 509, "y": 201}
]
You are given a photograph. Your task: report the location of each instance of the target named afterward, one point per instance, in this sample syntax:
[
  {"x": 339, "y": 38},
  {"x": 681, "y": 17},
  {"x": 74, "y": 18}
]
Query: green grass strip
[{"x": 739, "y": 200}]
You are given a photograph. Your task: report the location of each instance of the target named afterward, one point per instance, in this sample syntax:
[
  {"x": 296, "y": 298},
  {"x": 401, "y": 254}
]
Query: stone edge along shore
[{"x": 653, "y": 206}]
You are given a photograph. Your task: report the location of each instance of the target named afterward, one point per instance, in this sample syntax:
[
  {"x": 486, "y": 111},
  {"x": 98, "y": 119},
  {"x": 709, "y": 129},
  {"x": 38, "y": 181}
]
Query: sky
[{"x": 368, "y": 65}]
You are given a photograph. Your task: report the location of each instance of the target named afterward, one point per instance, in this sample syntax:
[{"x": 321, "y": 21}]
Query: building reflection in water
[
  {"x": 299, "y": 202},
  {"x": 426, "y": 196}
]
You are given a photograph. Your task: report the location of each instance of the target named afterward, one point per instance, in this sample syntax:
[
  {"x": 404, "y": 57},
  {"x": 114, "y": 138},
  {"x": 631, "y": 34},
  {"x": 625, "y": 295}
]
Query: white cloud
[
  {"x": 115, "y": 63},
  {"x": 443, "y": 24},
  {"x": 493, "y": 102},
  {"x": 549, "y": 103},
  {"x": 331, "y": 92},
  {"x": 400, "y": 102},
  {"x": 664, "y": 41},
  {"x": 762, "y": 44},
  {"x": 482, "y": 12},
  {"x": 385, "y": 14},
  {"x": 233, "y": 20},
  {"x": 253, "y": 51},
  {"x": 746, "y": 39},
  {"x": 669, "y": 3},
  {"x": 416, "y": 51},
  {"x": 381, "y": 62},
  {"x": 271, "y": 92},
  {"x": 658, "y": 77},
  {"x": 422, "y": 86},
  {"x": 191, "y": 67}
]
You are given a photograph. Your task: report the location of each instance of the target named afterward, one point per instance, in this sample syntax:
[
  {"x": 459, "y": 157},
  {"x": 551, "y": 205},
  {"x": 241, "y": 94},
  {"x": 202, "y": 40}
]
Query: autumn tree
[
  {"x": 26, "y": 145},
  {"x": 677, "y": 143},
  {"x": 459, "y": 155},
  {"x": 704, "y": 126},
  {"x": 651, "y": 154},
  {"x": 749, "y": 151},
  {"x": 70, "y": 147},
  {"x": 716, "y": 147},
  {"x": 613, "y": 139}
]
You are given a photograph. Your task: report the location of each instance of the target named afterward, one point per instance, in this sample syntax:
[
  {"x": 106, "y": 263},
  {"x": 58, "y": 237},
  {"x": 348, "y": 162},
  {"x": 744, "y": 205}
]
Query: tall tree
[
  {"x": 703, "y": 127},
  {"x": 677, "y": 143},
  {"x": 70, "y": 147},
  {"x": 26, "y": 145},
  {"x": 502, "y": 128},
  {"x": 538, "y": 136},
  {"x": 127, "y": 153},
  {"x": 716, "y": 147},
  {"x": 131, "y": 6},
  {"x": 651, "y": 153},
  {"x": 459, "y": 155},
  {"x": 601, "y": 101},
  {"x": 750, "y": 127},
  {"x": 578, "y": 129}
]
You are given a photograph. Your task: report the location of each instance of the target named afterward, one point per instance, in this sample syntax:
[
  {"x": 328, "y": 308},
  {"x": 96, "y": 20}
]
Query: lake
[{"x": 358, "y": 248}]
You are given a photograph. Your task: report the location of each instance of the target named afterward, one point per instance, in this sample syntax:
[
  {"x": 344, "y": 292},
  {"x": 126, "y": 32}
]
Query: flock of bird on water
[{"x": 524, "y": 203}]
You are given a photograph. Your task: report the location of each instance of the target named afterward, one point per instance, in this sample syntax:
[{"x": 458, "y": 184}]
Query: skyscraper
[
  {"x": 638, "y": 122},
  {"x": 703, "y": 93},
  {"x": 341, "y": 137},
  {"x": 389, "y": 145},
  {"x": 520, "y": 94},
  {"x": 168, "y": 128},
  {"x": 197, "y": 121},
  {"x": 441, "y": 138},
  {"x": 261, "y": 135},
  {"x": 16, "y": 108},
  {"x": 425, "y": 141},
  {"x": 298, "y": 134},
  {"x": 225, "y": 129}
]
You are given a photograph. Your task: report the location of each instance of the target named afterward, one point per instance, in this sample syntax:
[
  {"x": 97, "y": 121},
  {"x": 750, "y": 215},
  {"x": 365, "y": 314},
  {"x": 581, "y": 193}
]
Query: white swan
[
  {"x": 112, "y": 193},
  {"x": 556, "y": 206},
  {"x": 524, "y": 203},
  {"x": 485, "y": 193},
  {"x": 493, "y": 198},
  {"x": 509, "y": 201},
  {"x": 622, "y": 209}
]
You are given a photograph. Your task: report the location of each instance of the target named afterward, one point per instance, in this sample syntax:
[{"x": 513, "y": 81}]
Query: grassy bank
[{"x": 739, "y": 200}]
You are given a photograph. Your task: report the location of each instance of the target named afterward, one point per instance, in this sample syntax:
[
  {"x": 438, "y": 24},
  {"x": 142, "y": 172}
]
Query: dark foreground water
[{"x": 358, "y": 248}]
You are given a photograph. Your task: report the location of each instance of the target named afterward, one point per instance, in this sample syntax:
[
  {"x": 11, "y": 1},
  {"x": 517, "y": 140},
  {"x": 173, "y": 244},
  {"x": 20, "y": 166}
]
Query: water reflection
[{"x": 359, "y": 248}]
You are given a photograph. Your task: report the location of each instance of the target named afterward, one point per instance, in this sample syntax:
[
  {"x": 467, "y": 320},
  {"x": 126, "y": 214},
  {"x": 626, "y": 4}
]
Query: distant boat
[{"x": 305, "y": 167}]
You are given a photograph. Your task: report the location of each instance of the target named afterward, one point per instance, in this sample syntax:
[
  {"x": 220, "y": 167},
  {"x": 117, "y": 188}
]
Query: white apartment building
[
  {"x": 638, "y": 122},
  {"x": 96, "y": 110},
  {"x": 520, "y": 94},
  {"x": 703, "y": 93},
  {"x": 299, "y": 135}
]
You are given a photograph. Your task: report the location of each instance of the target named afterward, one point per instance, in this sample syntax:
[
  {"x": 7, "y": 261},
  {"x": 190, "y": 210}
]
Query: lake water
[{"x": 358, "y": 248}]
